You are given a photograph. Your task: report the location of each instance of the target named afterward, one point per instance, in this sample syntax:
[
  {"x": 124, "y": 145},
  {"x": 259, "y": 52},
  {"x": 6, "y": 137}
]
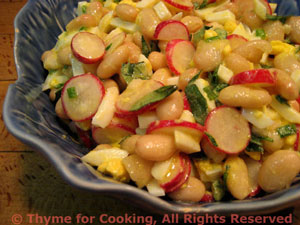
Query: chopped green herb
[
  {"x": 72, "y": 93},
  {"x": 124, "y": 138},
  {"x": 286, "y": 130},
  {"x": 130, "y": 71},
  {"x": 212, "y": 139},
  {"x": 213, "y": 77},
  {"x": 83, "y": 9},
  {"x": 154, "y": 96},
  {"x": 66, "y": 67},
  {"x": 282, "y": 100},
  {"x": 117, "y": 1},
  {"x": 222, "y": 34},
  {"x": 264, "y": 66},
  {"x": 262, "y": 138},
  {"x": 108, "y": 47},
  {"x": 255, "y": 144},
  {"x": 195, "y": 78},
  {"x": 146, "y": 50},
  {"x": 218, "y": 190},
  {"x": 210, "y": 93},
  {"x": 212, "y": 39},
  {"x": 260, "y": 33},
  {"x": 282, "y": 19},
  {"x": 220, "y": 87},
  {"x": 287, "y": 40},
  {"x": 59, "y": 86},
  {"x": 297, "y": 50},
  {"x": 198, "y": 5},
  {"x": 197, "y": 103},
  {"x": 225, "y": 175},
  {"x": 82, "y": 28},
  {"x": 199, "y": 35},
  {"x": 52, "y": 71}
]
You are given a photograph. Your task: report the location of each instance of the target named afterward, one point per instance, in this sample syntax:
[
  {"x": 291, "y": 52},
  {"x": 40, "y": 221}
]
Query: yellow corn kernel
[
  {"x": 290, "y": 140},
  {"x": 280, "y": 47},
  {"x": 230, "y": 26},
  {"x": 254, "y": 155},
  {"x": 227, "y": 50},
  {"x": 209, "y": 34}
]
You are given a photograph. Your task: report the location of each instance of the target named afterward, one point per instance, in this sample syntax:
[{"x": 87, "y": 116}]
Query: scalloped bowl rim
[{"x": 246, "y": 207}]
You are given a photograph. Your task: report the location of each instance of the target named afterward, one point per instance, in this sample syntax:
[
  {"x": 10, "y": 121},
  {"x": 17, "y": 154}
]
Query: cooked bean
[
  {"x": 285, "y": 85},
  {"x": 129, "y": 143},
  {"x": 157, "y": 60},
  {"x": 108, "y": 83},
  {"x": 134, "y": 52},
  {"x": 128, "y": 38},
  {"x": 126, "y": 12},
  {"x": 247, "y": 15},
  {"x": 237, "y": 178},
  {"x": 50, "y": 60},
  {"x": 63, "y": 55},
  {"x": 162, "y": 45},
  {"x": 170, "y": 108},
  {"x": 279, "y": 170},
  {"x": 286, "y": 62},
  {"x": 243, "y": 96},
  {"x": 274, "y": 30},
  {"x": 162, "y": 75},
  {"x": 137, "y": 38},
  {"x": 193, "y": 191},
  {"x": 85, "y": 20},
  {"x": 277, "y": 142},
  {"x": 186, "y": 76},
  {"x": 52, "y": 94},
  {"x": 155, "y": 147},
  {"x": 113, "y": 62},
  {"x": 95, "y": 9},
  {"x": 208, "y": 56},
  {"x": 193, "y": 23},
  {"x": 253, "y": 50},
  {"x": 59, "y": 110},
  {"x": 237, "y": 63},
  {"x": 147, "y": 21},
  {"x": 294, "y": 22}
]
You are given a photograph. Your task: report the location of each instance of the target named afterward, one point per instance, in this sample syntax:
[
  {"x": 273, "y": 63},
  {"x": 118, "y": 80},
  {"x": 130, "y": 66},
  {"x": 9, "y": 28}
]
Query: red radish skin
[
  {"x": 185, "y": 5},
  {"x": 168, "y": 127},
  {"x": 186, "y": 104},
  {"x": 233, "y": 36},
  {"x": 180, "y": 176},
  {"x": 207, "y": 197},
  {"x": 91, "y": 89},
  {"x": 85, "y": 137},
  {"x": 111, "y": 134},
  {"x": 229, "y": 128},
  {"x": 128, "y": 114},
  {"x": 258, "y": 78},
  {"x": 255, "y": 192},
  {"x": 171, "y": 29},
  {"x": 296, "y": 145},
  {"x": 179, "y": 54},
  {"x": 88, "y": 48},
  {"x": 268, "y": 7}
]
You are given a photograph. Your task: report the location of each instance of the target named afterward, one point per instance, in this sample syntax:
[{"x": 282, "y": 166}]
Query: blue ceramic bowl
[{"x": 29, "y": 116}]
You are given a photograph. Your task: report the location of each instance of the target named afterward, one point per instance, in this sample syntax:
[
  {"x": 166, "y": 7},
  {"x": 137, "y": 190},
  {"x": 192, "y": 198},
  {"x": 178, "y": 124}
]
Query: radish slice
[
  {"x": 257, "y": 78},
  {"x": 84, "y": 137},
  {"x": 88, "y": 48},
  {"x": 111, "y": 134},
  {"x": 179, "y": 54},
  {"x": 168, "y": 127},
  {"x": 236, "y": 40},
  {"x": 185, "y": 5},
  {"x": 130, "y": 96},
  {"x": 253, "y": 169},
  {"x": 170, "y": 30},
  {"x": 211, "y": 151},
  {"x": 229, "y": 129},
  {"x": 178, "y": 174},
  {"x": 297, "y": 142},
  {"x": 81, "y": 97}
]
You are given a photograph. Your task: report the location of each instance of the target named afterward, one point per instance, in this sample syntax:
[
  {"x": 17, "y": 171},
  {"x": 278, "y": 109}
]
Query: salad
[{"x": 197, "y": 100}]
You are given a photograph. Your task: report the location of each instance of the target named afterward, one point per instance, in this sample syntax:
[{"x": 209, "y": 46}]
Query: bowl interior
[{"x": 29, "y": 115}]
